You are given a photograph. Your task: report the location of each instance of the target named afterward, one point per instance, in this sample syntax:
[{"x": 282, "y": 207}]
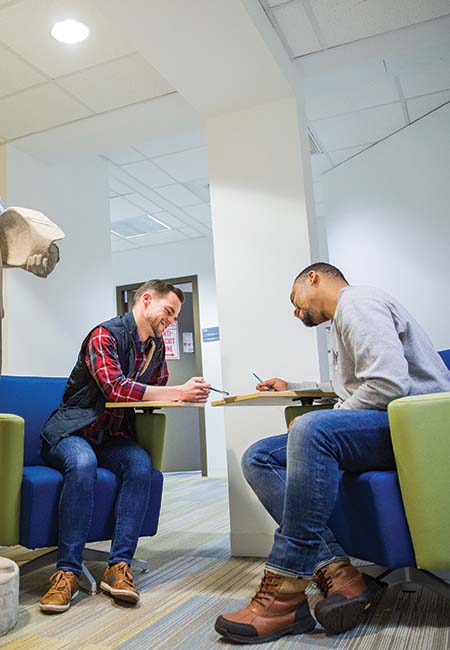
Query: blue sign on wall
[{"x": 210, "y": 334}]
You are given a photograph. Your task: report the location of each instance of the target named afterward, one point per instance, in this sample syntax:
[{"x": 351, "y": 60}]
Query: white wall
[
  {"x": 388, "y": 220},
  {"x": 261, "y": 242},
  {"x": 46, "y": 319},
  {"x": 185, "y": 258}
]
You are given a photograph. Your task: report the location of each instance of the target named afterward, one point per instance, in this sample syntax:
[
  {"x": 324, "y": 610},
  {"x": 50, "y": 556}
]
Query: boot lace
[
  {"x": 266, "y": 589},
  {"x": 60, "y": 584},
  {"x": 124, "y": 573},
  {"x": 323, "y": 581}
]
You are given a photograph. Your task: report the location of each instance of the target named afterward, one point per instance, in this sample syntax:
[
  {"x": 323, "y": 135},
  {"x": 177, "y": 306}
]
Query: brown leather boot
[
  {"x": 64, "y": 589},
  {"x": 347, "y": 594},
  {"x": 279, "y": 607},
  {"x": 118, "y": 582}
]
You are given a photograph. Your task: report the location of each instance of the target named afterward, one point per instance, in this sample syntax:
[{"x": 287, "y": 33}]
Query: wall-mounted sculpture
[{"x": 27, "y": 241}]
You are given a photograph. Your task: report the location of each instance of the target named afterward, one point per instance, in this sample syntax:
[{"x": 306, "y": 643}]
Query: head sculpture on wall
[{"x": 27, "y": 241}]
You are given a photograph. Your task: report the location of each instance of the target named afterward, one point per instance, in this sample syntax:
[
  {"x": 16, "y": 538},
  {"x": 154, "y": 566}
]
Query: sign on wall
[
  {"x": 188, "y": 342},
  {"x": 172, "y": 343}
]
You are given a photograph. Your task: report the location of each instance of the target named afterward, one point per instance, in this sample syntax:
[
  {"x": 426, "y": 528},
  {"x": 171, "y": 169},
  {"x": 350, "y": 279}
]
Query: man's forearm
[{"x": 162, "y": 394}]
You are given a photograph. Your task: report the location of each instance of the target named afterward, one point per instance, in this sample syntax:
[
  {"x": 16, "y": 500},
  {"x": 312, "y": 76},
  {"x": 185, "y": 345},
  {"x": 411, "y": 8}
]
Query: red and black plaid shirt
[{"x": 102, "y": 360}]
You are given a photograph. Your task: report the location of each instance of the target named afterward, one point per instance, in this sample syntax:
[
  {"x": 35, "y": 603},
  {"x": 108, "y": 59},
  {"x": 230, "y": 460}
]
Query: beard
[{"x": 308, "y": 319}]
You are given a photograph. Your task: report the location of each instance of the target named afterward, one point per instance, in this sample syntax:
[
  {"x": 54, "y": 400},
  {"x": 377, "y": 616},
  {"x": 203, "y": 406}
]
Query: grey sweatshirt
[{"x": 379, "y": 353}]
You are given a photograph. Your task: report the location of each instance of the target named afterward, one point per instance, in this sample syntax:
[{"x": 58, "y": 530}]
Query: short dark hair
[
  {"x": 160, "y": 287},
  {"x": 322, "y": 267}
]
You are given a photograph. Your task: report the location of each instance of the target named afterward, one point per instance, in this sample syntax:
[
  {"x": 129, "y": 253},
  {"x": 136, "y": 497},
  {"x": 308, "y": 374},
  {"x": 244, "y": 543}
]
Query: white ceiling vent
[
  {"x": 314, "y": 146},
  {"x": 138, "y": 226}
]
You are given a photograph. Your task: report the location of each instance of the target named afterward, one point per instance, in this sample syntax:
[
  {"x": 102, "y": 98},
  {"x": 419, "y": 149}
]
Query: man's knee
[
  {"x": 139, "y": 465},
  {"x": 310, "y": 427},
  {"x": 83, "y": 463},
  {"x": 257, "y": 455}
]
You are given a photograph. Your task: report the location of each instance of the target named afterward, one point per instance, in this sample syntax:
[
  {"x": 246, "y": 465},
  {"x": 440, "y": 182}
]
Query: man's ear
[
  {"x": 147, "y": 298},
  {"x": 314, "y": 278}
]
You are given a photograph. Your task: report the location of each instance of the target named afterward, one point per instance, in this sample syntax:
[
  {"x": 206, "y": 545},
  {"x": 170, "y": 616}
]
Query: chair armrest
[
  {"x": 291, "y": 412},
  {"x": 150, "y": 430},
  {"x": 11, "y": 470},
  {"x": 420, "y": 431}
]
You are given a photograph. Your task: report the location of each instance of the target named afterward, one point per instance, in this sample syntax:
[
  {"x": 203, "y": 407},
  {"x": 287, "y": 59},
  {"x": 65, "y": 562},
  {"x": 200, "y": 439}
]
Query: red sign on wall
[{"x": 171, "y": 340}]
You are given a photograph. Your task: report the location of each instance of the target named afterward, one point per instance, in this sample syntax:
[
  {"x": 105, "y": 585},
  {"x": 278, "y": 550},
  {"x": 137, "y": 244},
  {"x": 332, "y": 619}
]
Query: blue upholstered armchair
[
  {"x": 29, "y": 490},
  {"x": 400, "y": 520}
]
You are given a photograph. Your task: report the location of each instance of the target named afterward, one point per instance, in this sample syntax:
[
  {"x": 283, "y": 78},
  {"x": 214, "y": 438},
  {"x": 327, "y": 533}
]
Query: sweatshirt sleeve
[{"x": 370, "y": 336}]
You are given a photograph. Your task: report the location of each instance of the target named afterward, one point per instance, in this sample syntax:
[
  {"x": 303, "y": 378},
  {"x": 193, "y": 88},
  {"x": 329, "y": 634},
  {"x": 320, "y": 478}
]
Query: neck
[{"x": 331, "y": 299}]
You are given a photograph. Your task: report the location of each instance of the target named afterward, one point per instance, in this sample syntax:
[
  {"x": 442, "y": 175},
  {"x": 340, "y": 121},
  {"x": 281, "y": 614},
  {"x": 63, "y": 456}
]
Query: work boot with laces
[
  {"x": 64, "y": 589},
  {"x": 279, "y": 607},
  {"x": 118, "y": 582},
  {"x": 347, "y": 593}
]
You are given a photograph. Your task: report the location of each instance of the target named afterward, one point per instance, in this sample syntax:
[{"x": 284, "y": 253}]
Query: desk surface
[
  {"x": 271, "y": 398},
  {"x": 152, "y": 405}
]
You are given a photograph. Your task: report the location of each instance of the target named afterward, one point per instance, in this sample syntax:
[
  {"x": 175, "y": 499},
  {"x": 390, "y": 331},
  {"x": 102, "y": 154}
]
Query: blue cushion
[
  {"x": 445, "y": 354},
  {"x": 33, "y": 398},
  {"x": 369, "y": 519},
  {"x": 41, "y": 487}
]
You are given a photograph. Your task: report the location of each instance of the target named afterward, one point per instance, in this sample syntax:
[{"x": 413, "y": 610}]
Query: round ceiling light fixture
[{"x": 69, "y": 31}]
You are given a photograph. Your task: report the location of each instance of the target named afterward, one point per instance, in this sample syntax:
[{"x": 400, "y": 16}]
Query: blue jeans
[
  {"x": 296, "y": 478},
  {"x": 77, "y": 459}
]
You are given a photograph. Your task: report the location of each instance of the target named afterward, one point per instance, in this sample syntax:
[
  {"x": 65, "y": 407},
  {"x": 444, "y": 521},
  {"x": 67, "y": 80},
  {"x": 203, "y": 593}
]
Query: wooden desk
[
  {"x": 152, "y": 405},
  {"x": 275, "y": 398}
]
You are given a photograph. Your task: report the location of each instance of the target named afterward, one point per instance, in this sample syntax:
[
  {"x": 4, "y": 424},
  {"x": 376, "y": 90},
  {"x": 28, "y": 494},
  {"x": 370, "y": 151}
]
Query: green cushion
[
  {"x": 291, "y": 412},
  {"x": 420, "y": 428},
  {"x": 11, "y": 455},
  {"x": 150, "y": 429}
]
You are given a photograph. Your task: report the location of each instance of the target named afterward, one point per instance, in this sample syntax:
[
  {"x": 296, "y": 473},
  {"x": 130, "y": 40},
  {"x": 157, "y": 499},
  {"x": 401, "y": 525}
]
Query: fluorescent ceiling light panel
[
  {"x": 138, "y": 226},
  {"x": 69, "y": 31}
]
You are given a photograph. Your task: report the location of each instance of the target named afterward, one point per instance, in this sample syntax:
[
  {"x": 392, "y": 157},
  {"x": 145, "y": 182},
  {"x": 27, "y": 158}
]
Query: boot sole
[
  {"x": 120, "y": 594},
  {"x": 297, "y": 628},
  {"x": 57, "y": 609},
  {"x": 343, "y": 615}
]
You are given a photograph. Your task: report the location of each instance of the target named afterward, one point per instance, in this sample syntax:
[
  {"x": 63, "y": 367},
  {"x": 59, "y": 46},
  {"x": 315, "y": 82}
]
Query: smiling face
[{"x": 160, "y": 311}]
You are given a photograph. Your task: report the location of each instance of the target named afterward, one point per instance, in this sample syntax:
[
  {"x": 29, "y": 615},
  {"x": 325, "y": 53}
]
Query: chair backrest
[
  {"x": 445, "y": 354},
  {"x": 33, "y": 398}
]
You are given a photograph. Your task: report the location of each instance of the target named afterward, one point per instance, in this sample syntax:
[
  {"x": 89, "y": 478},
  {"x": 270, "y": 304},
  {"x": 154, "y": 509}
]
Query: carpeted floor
[{"x": 192, "y": 580}]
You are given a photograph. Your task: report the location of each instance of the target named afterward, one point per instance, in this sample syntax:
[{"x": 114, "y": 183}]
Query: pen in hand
[
  {"x": 216, "y": 390},
  {"x": 260, "y": 380}
]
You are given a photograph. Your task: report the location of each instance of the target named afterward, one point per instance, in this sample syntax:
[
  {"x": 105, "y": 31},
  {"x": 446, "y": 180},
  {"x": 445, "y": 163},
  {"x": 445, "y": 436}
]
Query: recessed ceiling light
[{"x": 69, "y": 31}]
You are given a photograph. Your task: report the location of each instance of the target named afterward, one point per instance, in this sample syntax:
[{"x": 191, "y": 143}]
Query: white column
[{"x": 261, "y": 242}]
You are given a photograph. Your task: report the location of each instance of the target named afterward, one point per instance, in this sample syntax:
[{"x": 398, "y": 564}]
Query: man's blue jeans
[
  {"x": 296, "y": 478},
  {"x": 77, "y": 459}
]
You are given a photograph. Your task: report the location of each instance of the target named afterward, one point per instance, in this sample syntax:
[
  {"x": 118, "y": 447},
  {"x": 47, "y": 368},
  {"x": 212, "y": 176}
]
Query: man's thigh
[
  {"x": 359, "y": 440},
  {"x": 68, "y": 453},
  {"x": 122, "y": 455}
]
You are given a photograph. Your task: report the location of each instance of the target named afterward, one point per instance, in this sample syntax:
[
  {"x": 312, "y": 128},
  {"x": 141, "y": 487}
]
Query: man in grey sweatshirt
[{"x": 379, "y": 353}]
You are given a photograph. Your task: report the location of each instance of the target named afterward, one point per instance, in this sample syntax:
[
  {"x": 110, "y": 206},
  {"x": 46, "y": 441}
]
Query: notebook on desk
[{"x": 274, "y": 398}]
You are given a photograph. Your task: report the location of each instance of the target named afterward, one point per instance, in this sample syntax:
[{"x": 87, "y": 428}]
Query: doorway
[{"x": 185, "y": 440}]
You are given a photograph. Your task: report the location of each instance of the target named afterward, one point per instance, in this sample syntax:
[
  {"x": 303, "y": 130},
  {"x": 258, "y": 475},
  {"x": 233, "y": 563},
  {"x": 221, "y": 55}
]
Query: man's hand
[
  {"x": 275, "y": 384},
  {"x": 195, "y": 390}
]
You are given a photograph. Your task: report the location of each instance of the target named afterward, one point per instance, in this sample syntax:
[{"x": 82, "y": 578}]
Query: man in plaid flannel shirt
[{"x": 121, "y": 360}]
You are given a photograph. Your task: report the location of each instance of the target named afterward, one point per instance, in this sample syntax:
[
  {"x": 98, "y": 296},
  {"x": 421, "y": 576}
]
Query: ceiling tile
[
  {"x": 144, "y": 203},
  {"x": 178, "y": 195},
  {"x": 343, "y": 154},
  {"x": 200, "y": 212},
  {"x": 359, "y": 128},
  {"x": 16, "y": 74},
  {"x": 119, "y": 244},
  {"x": 25, "y": 27},
  {"x": 421, "y": 105},
  {"x": 160, "y": 238},
  {"x": 116, "y": 83},
  {"x": 147, "y": 173},
  {"x": 117, "y": 187},
  {"x": 120, "y": 208},
  {"x": 172, "y": 143},
  {"x": 190, "y": 232},
  {"x": 124, "y": 155},
  {"x": 297, "y": 29},
  {"x": 348, "y": 88},
  {"x": 275, "y": 3},
  {"x": 319, "y": 164},
  {"x": 421, "y": 79},
  {"x": 37, "y": 109},
  {"x": 185, "y": 165},
  {"x": 350, "y": 20}
]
